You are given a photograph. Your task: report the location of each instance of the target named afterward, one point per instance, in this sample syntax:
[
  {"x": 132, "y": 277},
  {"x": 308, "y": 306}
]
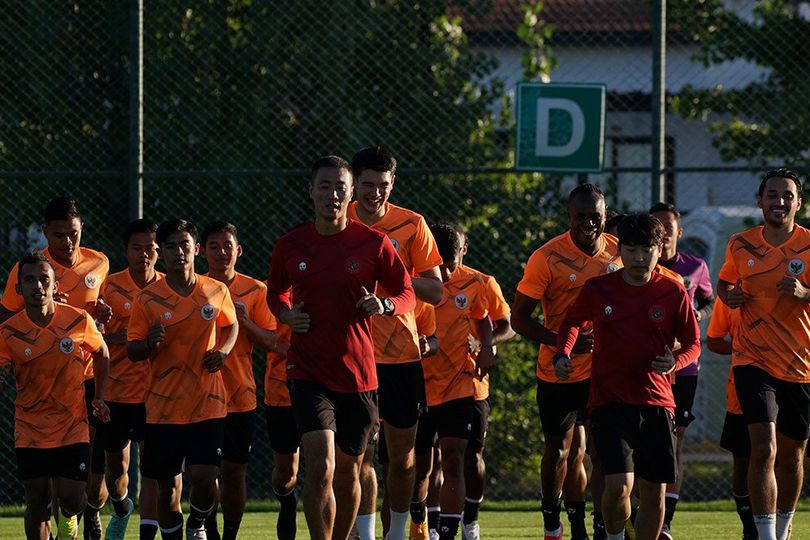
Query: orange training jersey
[
  {"x": 425, "y": 318},
  {"x": 666, "y": 272},
  {"x": 774, "y": 332},
  {"x": 723, "y": 322},
  {"x": 554, "y": 275},
  {"x": 240, "y": 384},
  {"x": 49, "y": 364},
  {"x": 276, "y": 393},
  {"x": 395, "y": 339},
  {"x": 449, "y": 374},
  {"x": 498, "y": 309},
  {"x": 128, "y": 381},
  {"x": 181, "y": 390}
]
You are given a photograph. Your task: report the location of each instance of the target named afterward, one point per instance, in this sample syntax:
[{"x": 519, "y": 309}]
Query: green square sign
[{"x": 560, "y": 127}]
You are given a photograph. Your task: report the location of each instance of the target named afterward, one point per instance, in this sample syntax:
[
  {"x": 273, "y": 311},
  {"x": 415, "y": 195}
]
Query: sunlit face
[
  {"x": 37, "y": 284},
  {"x": 63, "y": 236},
  {"x": 586, "y": 217},
  {"x": 178, "y": 251},
  {"x": 331, "y": 191},
  {"x": 142, "y": 252},
  {"x": 373, "y": 189},
  {"x": 672, "y": 229},
  {"x": 779, "y": 201},
  {"x": 221, "y": 251},
  {"x": 639, "y": 261}
]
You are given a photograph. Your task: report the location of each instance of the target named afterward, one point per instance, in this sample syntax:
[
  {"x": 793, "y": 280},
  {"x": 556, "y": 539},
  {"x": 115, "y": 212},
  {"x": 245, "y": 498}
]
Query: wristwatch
[{"x": 388, "y": 306}]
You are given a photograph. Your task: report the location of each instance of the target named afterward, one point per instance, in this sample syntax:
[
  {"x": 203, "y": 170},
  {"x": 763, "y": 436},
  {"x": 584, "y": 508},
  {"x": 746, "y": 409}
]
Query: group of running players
[{"x": 380, "y": 340}]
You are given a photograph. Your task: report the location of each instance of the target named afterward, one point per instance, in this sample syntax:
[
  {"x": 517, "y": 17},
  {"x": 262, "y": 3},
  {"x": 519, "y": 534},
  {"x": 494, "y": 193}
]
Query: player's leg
[
  {"x": 37, "y": 516},
  {"x": 597, "y": 488},
  {"x": 284, "y": 440},
  {"x": 124, "y": 419},
  {"x": 203, "y": 455},
  {"x": 367, "y": 512},
  {"x": 734, "y": 438},
  {"x": 684, "y": 391},
  {"x": 453, "y": 424},
  {"x": 651, "y": 509},
  {"x": 575, "y": 483},
  {"x": 163, "y": 454},
  {"x": 96, "y": 487},
  {"x": 423, "y": 468},
  {"x": 475, "y": 470},
  {"x": 239, "y": 429},
  {"x": 72, "y": 499},
  {"x": 434, "y": 493},
  {"x": 655, "y": 466}
]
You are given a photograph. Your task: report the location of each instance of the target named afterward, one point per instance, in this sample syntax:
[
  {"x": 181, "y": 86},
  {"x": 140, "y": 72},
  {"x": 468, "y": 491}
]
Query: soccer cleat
[
  {"x": 471, "y": 531},
  {"x": 117, "y": 527},
  {"x": 554, "y": 535},
  {"x": 92, "y": 527},
  {"x": 196, "y": 534},
  {"x": 68, "y": 528},
  {"x": 665, "y": 534},
  {"x": 434, "y": 534},
  {"x": 418, "y": 531}
]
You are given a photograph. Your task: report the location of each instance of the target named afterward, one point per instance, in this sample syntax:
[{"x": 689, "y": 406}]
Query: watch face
[{"x": 388, "y": 304}]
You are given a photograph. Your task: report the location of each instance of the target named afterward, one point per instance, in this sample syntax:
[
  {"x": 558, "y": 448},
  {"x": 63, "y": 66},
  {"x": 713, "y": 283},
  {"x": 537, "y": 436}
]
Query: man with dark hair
[
  {"x": 764, "y": 278},
  {"x": 321, "y": 283},
  {"x": 637, "y": 315},
  {"x": 554, "y": 275},
  {"x": 698, "y": 284},
  {"x": 185, "y": 325},
  {"x": 257, "y": 326},
  {"x": 396, "y": 343},
  {"x": 48, "y": 346}
]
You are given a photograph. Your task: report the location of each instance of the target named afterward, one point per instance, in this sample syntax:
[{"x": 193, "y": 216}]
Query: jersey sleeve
[
  {"x": 480, "y": 306},
  {"x": 227, "y": 311},
  {"x": 536, "y": 276},
  {"x": 393, "y": 276},
  {"x": 704, "y": 285},
  {"x": 687, "y": 332},
  {"x": 92, "y": 336},
  {"x": 278, "y": 283},
  {"x": 498, "y": 307},
  {"x": 424, "y": 253},
  {"x": 719, "y": 323},
  {"x": 12, "y": 300},
  {"x": 729, "y": 272},
  {"x": 425, "y": 318},
  {"x": 138, "y": 328},
  {"x": 261, "y": 311},
  {"x": 578, "y": 313}
]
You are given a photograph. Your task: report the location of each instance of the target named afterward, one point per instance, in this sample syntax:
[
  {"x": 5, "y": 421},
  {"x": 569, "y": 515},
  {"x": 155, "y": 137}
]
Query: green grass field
[{"x": 716, "y": 521}]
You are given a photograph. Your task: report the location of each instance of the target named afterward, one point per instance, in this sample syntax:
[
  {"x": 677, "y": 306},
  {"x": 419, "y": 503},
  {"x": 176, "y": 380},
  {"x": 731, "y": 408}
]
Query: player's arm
[
  {"x": 227, "y": 324},
  {"x": 703, "y": 307},
  {"x": 425, "y": 256},
  {"x": 704, "y": 295},
  {"x": 485, "y": 361},
  {"x": 687, "y": 333},
  {"x": 576, "y": 317},
  {"x": 526, "y": 324},
  {"x": 393, "y": 276},
  {"x": 261, "y": 329},
  {"x": 502, "y": 330},
  {"x": 95, "y": 345},
  {"x": 260, "y": 337},
  {"x": 279, "y": 294},
  {"x": 143, "y": 339},
  {"x": 719, "y": 345},
  {"x": 428, "y": 345},
  {"x": 428, "y": 286}
]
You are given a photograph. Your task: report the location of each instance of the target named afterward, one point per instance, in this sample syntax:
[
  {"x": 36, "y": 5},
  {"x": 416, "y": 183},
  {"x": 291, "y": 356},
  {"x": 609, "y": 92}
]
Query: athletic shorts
[
  {"x": 734, "y": 437},
  {"x": 480, "y": 423},
  {"x": 451, "y": 419},
  {"x": 167, "y": 448},
  {"x": 71, "y": 462},
  {"x": 684, "y": 391},
  {"x": 281, "y": 429},
  {"x": 353, "y": 416},
  {"x": 89, "y": 394},
  {"x": 402, "y": 393},
  {"x": 127, "y": 422},
  {"x": 636, "y": 439},
  {"x": 765, "y": 398},
  {"x": 239, "y": 431},
  {"x": 562, "y": 405}
]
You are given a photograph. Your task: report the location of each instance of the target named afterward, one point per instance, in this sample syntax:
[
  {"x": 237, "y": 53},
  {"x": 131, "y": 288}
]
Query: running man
[
  {"x": 396, "y": 346},
  {"x": 47, "y": 345},
  {"x": 257, "y": 326},
  {"x": 764, "y": 278},
  {"x": 321, "y": 283},
  {"x": 185, "y": 326},
  {"x": 636, "y": 315}
]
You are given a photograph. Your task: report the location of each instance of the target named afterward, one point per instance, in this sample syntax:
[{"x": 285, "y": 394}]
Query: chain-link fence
[{"x": 240, "y": 96}]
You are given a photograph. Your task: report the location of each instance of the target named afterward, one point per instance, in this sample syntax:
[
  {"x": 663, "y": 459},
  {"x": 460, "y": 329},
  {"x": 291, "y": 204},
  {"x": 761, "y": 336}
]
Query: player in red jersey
[
  {"x": 637, "y": 315},
  {"x": 321, "y": 283}
]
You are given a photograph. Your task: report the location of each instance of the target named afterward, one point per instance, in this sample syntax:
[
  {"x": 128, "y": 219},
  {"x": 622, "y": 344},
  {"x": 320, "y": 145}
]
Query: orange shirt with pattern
[
  {"x": 181, "y": 390},
  {"x": 774, "y": 328},
  {"x": 425, "y": 318},
  {"x": 449, "y": 374},
  {"x": 724, "y": 322},
  {"x": 237, "y": 373},
  {"x": 49, "y": 365},
  {"x": 276, "y": 393},
  {"x": 554, "y": 275},
  {"x": 498, "y": 309},
  {"x": 128, "y": 381},
  {"x": 395, "y": 338}
]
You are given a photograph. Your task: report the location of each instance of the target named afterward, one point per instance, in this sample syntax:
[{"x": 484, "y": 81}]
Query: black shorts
[
  {"x": 451, "y": 419},
  {"x": 735, "y": 436},
  {"x": 562, "y": 405},
  {"x": 167, "y": 447},
  {"x": 89, "y": 394},
  {"x": 281, "y": 429},
  {"x": 765, "y": 398},
  {"x": 353, "y": 416},
  {"x": 480, "y": 423},
  {"x": 402, "y": 393},
  {"x": 71, "y": 462},
  {"x": 239, "y": 431},
  {"x": 127, "y": 421},
  {"x": 684, "y": 391},
  {"x": 635, "y": 438}
]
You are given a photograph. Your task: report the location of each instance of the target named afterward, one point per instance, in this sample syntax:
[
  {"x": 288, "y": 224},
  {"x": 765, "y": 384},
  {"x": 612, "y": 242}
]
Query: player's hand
[
  {"x": 61, "y": 297},
  {"x": 104, "y": 312},
  {"x": 156, "y": 335},
  {"x": 698, "y": 315},
  {"x": 790, "y": 286},
  {"x": 584, "y": 344},
  {"x": 424, "y": 346},
  {"x": 369, "y": 304},
  {"x": 282, "y": 347},
  {"x": 116, "y": 338},
  {"x": 214, "y": 360},
  {"x": 241, "y": 312},
  {"x": 473, "y": 345},
  {"x": 100, "y": 410},
  {"x": 735, "y": 297},
  {"x": 295, "y": 318},
  {"x": 485, "y": 362},
  {"x": 563, "y": 367},
  {"x": 664, "y": 365}
]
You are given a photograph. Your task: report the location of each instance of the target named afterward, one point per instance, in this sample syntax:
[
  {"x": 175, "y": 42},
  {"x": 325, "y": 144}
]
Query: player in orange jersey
[
  {"x": 765, "y": 278},
  {"x": 396, "y": 347},
  {"x": 553, "y": 277},
  {"x": 47, "y": 346},
  {"x": 257, "y": 326},
  {"x": 80, "y": 272},
  {"x": 186, "y": 326}
]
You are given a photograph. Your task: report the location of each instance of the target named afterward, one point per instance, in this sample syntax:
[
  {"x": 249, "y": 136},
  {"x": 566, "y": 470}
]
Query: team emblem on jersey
[
  {"x": 67, "y": 345},
  {"x": 612, "y": 267},
  {"x": 207, "y": 312},
  {"x": 352, "y": 265},
  {"x": 687, "y": 283},
  {"x": 91, "y": 281},
  {"x": 796, "y": 267},
  {"x": 167, "y": 315},
  {"x": 396, "y": 244},
  {"x": 302, "y": 266},
  {"x": 461, "y": 301},
  {"x": 608, "y": 310},
  {"x": 656, "y": 313},
  {"x": 127, "y": 306},
  {"x": 572, "y": 277},
  {"x": 750, "y": 263},
  {"x": 28, "y": 351}
]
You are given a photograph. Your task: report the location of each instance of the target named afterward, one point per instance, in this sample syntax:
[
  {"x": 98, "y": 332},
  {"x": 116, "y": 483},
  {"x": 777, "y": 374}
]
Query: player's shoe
[
  {"x": 665, "y": 534},
  {"x": 434, "y": 534},
  {"x": 92, "y": 527},
  {"x": 553, "y": 535},
  {"x": 117, "y": 527},
  {"x": 68, "y": 529},
  {"x": 418, "y": 531},
  {"x": 471, "y": 531},
  {"x": 196, "y": 534}
]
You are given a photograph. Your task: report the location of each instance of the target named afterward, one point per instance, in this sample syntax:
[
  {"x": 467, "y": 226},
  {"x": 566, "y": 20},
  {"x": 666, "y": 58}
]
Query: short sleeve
[
  {"x": 480, "y": 306},
  {"x": 424, "y": 253},
  {"x": 729, "y": 272},
  {"x": 536, "y": 276},
  {"x": 138, "y": 327},
  {"x": 498, "y": 307},
  {"x": 12, "y": 300},
  {"x": 425, "y": 318},
  {"x": 92, "y": 336},
  {"x": 704, "y": 285},
  {"x": 261, "y": 311},
  {"x": 227, "y": 311},
  {"x": 720, "y": 321}
]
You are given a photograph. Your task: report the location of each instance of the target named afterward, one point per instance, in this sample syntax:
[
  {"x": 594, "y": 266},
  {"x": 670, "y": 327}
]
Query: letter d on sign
[{"x": 543, "y": 145}]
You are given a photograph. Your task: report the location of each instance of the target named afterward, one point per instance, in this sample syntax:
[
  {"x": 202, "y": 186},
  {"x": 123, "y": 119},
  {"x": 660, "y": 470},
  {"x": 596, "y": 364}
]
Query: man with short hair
[
  {"x": 764, "y": 278},
  {"x": 47, "y": 346},
  {"x": 321, "y": 283},
  {"x": 186, "y": 326}
]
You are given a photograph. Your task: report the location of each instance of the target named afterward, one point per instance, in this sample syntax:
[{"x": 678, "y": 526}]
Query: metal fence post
[
  {"x": 658, "y": 108},
  {"x": 135, "y": 166}
]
